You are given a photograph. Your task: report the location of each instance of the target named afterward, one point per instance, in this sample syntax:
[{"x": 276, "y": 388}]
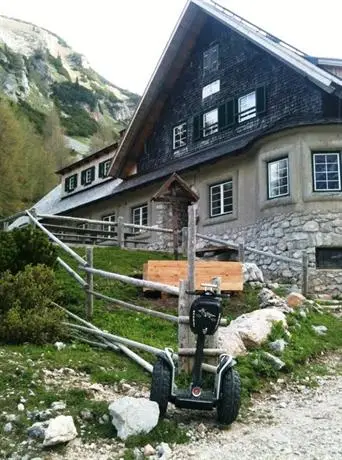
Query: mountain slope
[{"x": 38, "y": 70}]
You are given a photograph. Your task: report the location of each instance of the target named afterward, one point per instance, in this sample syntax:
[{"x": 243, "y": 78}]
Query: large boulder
[
  {"x": 252, "y": 273},
  {"x": 229, "y": 339},
  {"x": 131, "y": 416},
  {"x": 61, "y": 429},
  {"x": 254, "y": 327}
]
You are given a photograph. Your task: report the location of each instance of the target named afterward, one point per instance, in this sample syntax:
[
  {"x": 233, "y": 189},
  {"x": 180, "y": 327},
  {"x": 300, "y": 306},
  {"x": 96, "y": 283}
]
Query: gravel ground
[{"x": 298, "y": 422}]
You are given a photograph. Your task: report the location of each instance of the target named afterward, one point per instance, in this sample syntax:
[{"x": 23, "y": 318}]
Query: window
[
  {"x": 70, "y": 183},
  {"x": 329, "y": 258},
  {"x": 179, "y": 136},
  {"x": 247, "y": 107},
  {"x": 109, "y": 218},
  {"x": 221, "y": 199},
  {"x": 139, "y": 215},
  {"x": 88, "y": 176},
  {"x": 210, "y": 89},
  {"x": 210, "y": 59},
  {"x": 104, "y": 168},
  {"x": 326, "y": 172},
  {"x": 278, "y": 178},
  {"x": 210, "y": 122}
]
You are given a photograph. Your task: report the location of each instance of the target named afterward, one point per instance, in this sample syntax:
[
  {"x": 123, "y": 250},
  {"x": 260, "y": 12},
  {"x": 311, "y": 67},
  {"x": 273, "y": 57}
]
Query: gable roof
[
  {"x": 194, "y": 12},
  {"x": 173, "y": 181}
]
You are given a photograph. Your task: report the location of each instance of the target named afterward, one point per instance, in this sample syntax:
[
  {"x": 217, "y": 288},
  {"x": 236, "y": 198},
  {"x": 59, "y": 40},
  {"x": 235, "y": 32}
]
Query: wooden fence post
[
  {"x": 305, "y": 274},
  {"x": 121, "y": 234},
  {"x": 185, "y": 241},
  {"x": 183, "y": 329},
  {"x": 90, "y": 285},
  {"x": 241, "y": 252}
]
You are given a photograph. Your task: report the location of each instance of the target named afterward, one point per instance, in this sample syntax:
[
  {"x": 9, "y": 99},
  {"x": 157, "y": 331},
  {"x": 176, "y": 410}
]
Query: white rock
[
  {"x": 251, "y": 272},
  {"x": 61, "y": 429},
  {"x": 149, "y": 450},
  {"x": 320, "y": 330},
  {"x": 229, "y": 340},
  {"x": 268, "y": 299},
  {"x": 8, "y": 427},
  {"x": 132, "y": 416},
  {"x": 274, "y": 361},
  {"x": 21, "y": 407},
  {"x": 59, "y": 345},
  {"x": 164, "y": 451},
  {"x": 254, "y": 327},
  {"x": 278, "y": 346},
  {"x": 58, "y": 405}
]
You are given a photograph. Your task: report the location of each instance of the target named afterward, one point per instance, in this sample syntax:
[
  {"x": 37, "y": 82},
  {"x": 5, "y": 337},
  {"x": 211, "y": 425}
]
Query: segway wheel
[
  {"x": 229, "y": 403},
  {"x": 161, "y": 385}
]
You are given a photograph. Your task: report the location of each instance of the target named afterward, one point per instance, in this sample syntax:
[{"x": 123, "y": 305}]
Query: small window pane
[
  {"x": 221, "y": 199},
  {"x": 140, "y": 216},
  {"x": 210, "y": 122},
  {"x": 210, "y": 59},
  {"x": 180, "y": 136},
  {"x": 247, "y": 106},
  {"x": 210, "y": 89},
  {"x": 329, "y": 258},
  {"x": 327, "y": 175},
  {"x": 278, "y": 178}
]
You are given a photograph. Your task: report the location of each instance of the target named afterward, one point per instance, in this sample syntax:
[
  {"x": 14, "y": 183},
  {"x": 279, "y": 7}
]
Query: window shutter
[
  {"x": 231, "y": 112},
  {"x": 197, "y": 127},
  {"x": 260, "y": 100},
  {"x": 66, "y": 185},
  {"x": 93, "y": 173},
  {"x": 75, "y": 176},
  {"x": 83, "y": 177},
  {"x": 101, "y": 169},
  {"x": 222, "y": 116}
]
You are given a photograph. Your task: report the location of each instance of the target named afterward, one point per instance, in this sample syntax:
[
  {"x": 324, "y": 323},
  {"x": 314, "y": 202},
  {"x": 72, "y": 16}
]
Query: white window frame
[
  {"x": 208, "y": 130},
  {"x": 180, "y": 134},
  {"x": 326, "y": 172},
  {"x": 210, "y": 89},
  {"x": 88, "y": 176},
  {"x": 219, "y": 188},
  {"x": 106, "y": 167},
  {"x": 247, "y": 107},
  {"x": 71, "y": 183},
  {"x": 109, "y": 218},
  {"x": 271, "y": 187},
  {"x": 138, "y": 211}
]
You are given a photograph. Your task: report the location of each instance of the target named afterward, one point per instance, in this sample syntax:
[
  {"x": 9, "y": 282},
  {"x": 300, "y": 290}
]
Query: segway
[{"x": 204, "y": 318}]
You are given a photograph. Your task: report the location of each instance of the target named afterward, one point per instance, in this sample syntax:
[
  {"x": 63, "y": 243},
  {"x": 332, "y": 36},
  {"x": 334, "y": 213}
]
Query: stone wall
[{"x": 290, "y": 235}]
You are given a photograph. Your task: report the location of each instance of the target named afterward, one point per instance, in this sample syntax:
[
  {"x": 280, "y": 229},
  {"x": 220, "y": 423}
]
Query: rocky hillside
[{"x": 39, "y": 70}]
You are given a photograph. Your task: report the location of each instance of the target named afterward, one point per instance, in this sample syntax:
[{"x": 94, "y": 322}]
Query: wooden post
[
  {"x": 34, "y": 214},
  {"x": 241, "y": 252},
  {"x": 90, "y": 285},
  {"x": 305, "y": 274},
  {"x": 185, "y": 241},
  {"x": 191, "y": 246},
  {"x": 121, "y": 235},
  {"x": 183, "y": 329}
]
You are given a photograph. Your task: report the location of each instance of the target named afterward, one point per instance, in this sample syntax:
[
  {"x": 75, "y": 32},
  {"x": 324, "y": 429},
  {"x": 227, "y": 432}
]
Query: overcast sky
[{"x": 123, "y": 39}]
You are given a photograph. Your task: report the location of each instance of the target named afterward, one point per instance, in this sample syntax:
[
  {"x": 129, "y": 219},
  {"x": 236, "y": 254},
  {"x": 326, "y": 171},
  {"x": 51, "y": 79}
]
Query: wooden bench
[{"x": 172, "y": 271}]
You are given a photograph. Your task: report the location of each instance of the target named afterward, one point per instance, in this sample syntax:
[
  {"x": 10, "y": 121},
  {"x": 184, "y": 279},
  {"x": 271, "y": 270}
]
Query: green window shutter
[
  {"x": 260, "y": 100},
  {"x": 101, "y": 169},
  {"x": 83, "y": 177},
  {"x": 93, "y": 173},
  {"x": 66, "y": 185},
  {"x": 76, "y": 177},
  {"x": 230, "y": 113},
  {"x": 197, "y": 128}
]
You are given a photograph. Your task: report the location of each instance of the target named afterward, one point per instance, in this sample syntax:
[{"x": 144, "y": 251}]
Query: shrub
[
  {"x": 26, "y": 314},
  {"x": 23, "y": 247}
]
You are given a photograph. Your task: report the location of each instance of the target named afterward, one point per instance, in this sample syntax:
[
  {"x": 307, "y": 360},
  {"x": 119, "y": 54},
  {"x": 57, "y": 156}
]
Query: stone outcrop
[{"x": 61, "y": 429}]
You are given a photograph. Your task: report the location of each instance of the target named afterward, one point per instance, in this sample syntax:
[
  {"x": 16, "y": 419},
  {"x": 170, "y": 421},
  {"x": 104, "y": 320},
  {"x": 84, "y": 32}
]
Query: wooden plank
[{"x": 172, "y": 271}]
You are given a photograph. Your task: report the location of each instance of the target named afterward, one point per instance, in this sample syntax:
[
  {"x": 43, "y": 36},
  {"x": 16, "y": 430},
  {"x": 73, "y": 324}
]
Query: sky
[{"x": 123, "y": 39}]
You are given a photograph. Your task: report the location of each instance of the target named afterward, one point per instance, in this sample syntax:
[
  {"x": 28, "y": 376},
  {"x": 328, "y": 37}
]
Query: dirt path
[{"x": 299, "y": 422}]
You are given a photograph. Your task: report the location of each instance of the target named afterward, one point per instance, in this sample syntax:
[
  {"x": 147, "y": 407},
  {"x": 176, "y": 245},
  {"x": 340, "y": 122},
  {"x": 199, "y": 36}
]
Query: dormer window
[
  {"x": 70, "y": 183},
  {"x": 88, "y": 176},
  {"x": 104, "y": 167},
  {"x": 210, "y": 59}
]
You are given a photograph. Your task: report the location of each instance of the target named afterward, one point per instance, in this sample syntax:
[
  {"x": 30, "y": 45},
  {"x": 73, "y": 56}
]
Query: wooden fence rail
[{"x": 72, "y": 272}]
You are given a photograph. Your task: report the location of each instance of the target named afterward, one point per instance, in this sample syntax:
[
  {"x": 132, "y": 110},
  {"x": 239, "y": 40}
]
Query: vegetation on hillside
[{"x": 28, "y": 159}]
